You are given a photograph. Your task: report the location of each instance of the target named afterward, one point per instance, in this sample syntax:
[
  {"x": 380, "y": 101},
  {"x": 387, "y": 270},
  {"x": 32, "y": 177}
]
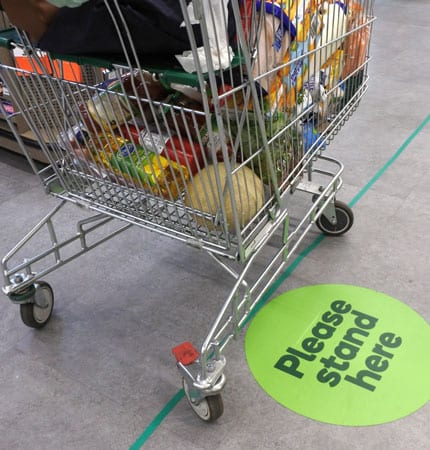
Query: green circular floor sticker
[{"x": 341, "y": 354}]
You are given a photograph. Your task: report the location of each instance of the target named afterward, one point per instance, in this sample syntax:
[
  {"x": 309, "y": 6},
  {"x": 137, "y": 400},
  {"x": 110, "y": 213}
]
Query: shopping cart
[{"x": 218, "y": 149}]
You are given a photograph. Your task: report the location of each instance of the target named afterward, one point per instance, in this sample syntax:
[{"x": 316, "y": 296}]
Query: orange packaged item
[{"x": 357, "y": 42}]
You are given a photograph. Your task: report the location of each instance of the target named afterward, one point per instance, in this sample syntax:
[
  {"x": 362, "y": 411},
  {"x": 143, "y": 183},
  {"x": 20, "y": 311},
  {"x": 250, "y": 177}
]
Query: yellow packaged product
[{"x": 155, "y": 172}]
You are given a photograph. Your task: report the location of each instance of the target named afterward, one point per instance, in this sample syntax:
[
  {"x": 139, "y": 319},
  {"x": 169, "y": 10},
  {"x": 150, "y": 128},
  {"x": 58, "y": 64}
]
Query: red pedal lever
[{"x": 185, "y": 353}]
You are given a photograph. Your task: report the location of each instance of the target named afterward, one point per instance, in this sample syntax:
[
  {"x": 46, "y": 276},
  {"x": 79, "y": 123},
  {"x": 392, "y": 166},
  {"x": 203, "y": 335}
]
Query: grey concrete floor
[{"x": 101, "y": 375}]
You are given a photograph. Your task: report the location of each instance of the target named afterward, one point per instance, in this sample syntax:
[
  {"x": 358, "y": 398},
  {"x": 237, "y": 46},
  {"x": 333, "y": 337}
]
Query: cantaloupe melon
[{"x": 247, "y": 199}]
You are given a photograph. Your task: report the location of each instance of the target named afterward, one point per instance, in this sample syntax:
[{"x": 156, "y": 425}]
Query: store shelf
[{"x": 8, "y": 142}]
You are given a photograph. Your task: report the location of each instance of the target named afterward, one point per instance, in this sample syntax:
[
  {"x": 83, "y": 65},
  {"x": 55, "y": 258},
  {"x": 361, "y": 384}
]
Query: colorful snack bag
[
  {"x": 276, "y": 34},
  {"x": 155, "y": 172},
  {"x": 305, "y": 18},
  {"x": 320, "y": 26}
]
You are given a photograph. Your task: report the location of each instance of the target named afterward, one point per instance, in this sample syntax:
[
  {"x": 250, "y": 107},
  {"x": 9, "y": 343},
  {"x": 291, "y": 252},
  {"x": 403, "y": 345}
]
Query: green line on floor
[
  {"x": 168, "y": 408},
  {"x": 158, "y": 419},
  {"x": 383, "y": 169}
]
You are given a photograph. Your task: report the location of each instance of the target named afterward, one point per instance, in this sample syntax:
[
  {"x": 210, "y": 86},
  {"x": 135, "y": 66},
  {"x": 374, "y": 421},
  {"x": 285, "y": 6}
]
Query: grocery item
[
  {"x": 154, "y": 171},
  {"x": 328, "y": 93},
  {"x": 73, "y": 137},
  {"x": 332, "y": 70},
  {"x": 141, "y": 85},
  {"x": 285, "y": 150},
  {"x": 305, "y": 15},
  {"x": 74, "y": 141},
  {"x": 246, "y": 197},
  {"x": 105, "y": 146},
  {"x": 91, "y": 125},
  {"x": 115, "y": 101},
  {"x": 213, "y": 139},
  {"x": 108, "y": 109},
  {"x": 276, "y": 33},
  {"x": 351, "y": 85},
  {"x": 321, "y": 27},
  {"x": 329, "y": 39},
  {"x": 312, "y": 138},
  {"x": 175, "y": 148},
  {"x": 77, "y": 143},
  {"x": 357, "y": 42},
  {"x": 185, "y": 117}
]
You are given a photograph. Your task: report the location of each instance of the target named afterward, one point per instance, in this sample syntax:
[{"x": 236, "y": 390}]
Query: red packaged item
[
  {"x": 130, "y": 132},
  {"x": 185, "y": 153}
]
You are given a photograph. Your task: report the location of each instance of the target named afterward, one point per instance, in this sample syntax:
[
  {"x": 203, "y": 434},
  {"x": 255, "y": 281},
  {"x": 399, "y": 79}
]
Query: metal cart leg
[{"x": 22, "y": 282}]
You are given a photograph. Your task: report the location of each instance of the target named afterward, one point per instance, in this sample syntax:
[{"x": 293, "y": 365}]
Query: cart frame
[{"x": 231, "y": 244}]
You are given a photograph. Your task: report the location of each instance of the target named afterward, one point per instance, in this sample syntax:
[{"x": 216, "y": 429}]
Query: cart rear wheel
[
  {"x": 37, "y": 313},
  {"x": 344, "y": 220},
  {"x": 209, "y": 408}
]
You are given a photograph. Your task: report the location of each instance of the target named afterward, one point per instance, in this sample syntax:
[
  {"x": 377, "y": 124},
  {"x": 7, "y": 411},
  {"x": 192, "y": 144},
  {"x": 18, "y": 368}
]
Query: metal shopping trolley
[{"x": 222, "y": 147}]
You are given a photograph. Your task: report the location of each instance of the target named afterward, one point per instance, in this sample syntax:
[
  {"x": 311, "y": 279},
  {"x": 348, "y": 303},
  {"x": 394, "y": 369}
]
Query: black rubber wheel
[
  {"x": 37, "y": 313},
  {"x": 209, "y": 408},
  {"x": 344, "y": 220}
]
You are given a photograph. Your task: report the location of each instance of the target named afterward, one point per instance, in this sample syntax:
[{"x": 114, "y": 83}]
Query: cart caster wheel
[
  {"x": 344, "y": 217},
  {"x": 209, "y": 408},
  {"x": 37, "y": 313}
]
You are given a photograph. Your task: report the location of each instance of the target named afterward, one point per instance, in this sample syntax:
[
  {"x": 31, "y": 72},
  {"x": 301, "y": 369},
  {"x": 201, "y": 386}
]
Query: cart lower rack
[{"x": 218, "y": 139}]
